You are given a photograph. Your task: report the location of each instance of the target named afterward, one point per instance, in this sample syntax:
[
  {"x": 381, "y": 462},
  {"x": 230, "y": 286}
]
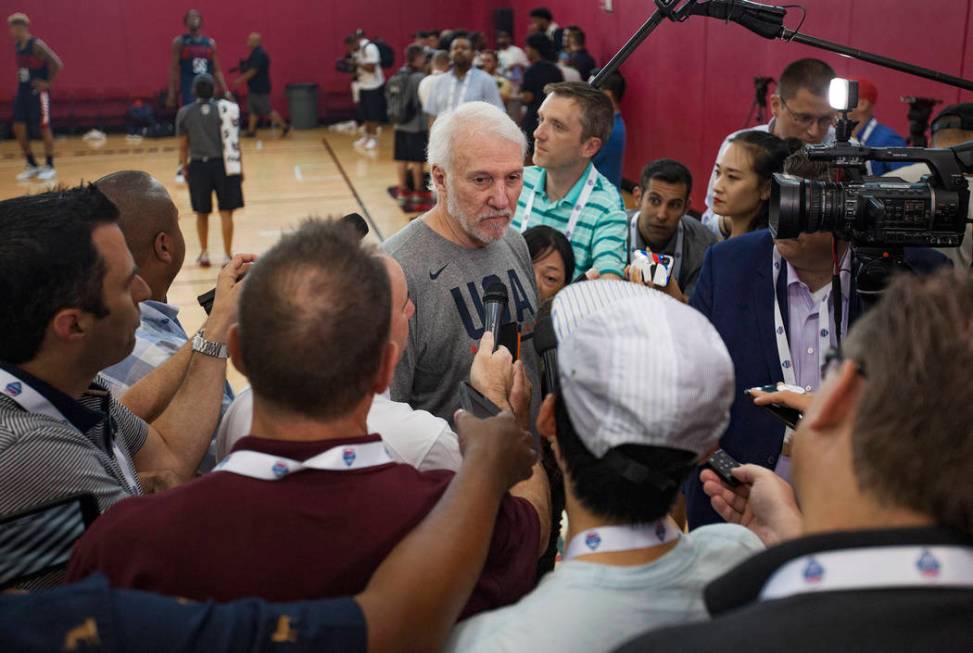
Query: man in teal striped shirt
[{"x": 564, "y": 190}]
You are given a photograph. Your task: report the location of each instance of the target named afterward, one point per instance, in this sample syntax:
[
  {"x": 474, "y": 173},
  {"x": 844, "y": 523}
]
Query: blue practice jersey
[{"x": 195, "y": 57}]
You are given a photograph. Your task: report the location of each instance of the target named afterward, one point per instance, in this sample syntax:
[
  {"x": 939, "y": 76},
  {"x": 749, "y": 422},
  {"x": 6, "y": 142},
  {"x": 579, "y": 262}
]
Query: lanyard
[
  {"x": 783, "y": 346},
  {"x": 872, "y": 568},
  {"x": 453, "y": 99},
  {"x": 608, "y": 539},
  {"x": 589, "y": 185},
  {"x": 866, "y": 134},
  {"x": 633, "y": 238},
  {"x": 266, "y": 467},
  {"x": 34, "y": 402}
]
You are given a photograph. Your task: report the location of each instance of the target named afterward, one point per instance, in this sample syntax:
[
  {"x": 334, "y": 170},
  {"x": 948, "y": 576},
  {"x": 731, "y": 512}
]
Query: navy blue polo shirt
[{"x": 90, "y": 616}]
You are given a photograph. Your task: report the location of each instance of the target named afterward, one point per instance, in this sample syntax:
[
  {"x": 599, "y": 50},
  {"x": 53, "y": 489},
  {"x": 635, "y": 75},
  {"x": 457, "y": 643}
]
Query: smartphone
[
  {"x": 39, "y": 540},
  {"x": 472, "y": 401},
  {"x": 789, "y": 416},
  {"x": 206, "y": 300},
  {"x": 722, "y": 463}
]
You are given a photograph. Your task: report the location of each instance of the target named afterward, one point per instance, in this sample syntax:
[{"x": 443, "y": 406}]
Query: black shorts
[
  {"x": 372, "y": 105},
  {"x": 410, "y": 146},
  {"x": 209, "y": 176},
  {"x": 259, "y": 104},
  {"x": 33, "y": 108}
]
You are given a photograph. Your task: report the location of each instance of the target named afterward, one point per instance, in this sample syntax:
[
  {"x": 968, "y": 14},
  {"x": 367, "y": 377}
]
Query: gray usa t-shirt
[{"x": 446, "y": 284}]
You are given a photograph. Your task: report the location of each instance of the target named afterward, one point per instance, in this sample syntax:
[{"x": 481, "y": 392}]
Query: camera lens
[
  {"x": 785, "y": 206},
  {"x": 803, "y": 206}
]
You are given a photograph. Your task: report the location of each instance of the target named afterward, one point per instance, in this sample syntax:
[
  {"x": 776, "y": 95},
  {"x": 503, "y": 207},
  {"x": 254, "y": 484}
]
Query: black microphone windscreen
[
  {"x": 495, "y": 291},
  {"x": 544, "y": 337},
  {"x": 357, "y": 222}
]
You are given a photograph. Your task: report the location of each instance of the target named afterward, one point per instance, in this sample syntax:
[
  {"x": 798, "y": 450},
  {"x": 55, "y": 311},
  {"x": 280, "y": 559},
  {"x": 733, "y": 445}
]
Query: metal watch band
[{"x": 208, "y": 347}]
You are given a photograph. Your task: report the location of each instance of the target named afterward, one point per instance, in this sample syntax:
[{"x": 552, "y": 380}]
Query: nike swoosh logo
[{"x": 435, "y": 275}]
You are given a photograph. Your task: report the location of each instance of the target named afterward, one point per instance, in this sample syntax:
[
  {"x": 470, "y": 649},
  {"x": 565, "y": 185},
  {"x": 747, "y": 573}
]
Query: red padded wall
[
  {"x": 124, "y": 44},
  {"x": 689, "y": 84}
]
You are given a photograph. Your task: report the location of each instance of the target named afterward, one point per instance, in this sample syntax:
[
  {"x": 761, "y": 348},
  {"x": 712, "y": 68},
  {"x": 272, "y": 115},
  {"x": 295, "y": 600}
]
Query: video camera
[
  {"x": 345, "y": 64},
  {"x": 874, "y": 212}
]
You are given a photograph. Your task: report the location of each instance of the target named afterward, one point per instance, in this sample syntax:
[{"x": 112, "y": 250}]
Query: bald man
[
  {"x": 256, "y": 74},
  {"x": 149, "y": 378}
]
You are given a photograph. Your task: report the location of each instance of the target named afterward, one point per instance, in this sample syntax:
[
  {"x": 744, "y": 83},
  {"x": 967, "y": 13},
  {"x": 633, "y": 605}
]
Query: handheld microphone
[
  {"x": 545, "y": 344},
  {"x": 494, "y": 303}
]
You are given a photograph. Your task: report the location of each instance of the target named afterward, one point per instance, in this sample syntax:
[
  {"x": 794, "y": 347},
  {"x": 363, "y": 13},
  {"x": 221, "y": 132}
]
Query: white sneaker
[
  {"x": 46, "y": 173},
  {"x": 371, "y": 144},
  {"x": 180, "y": 177},
  {"x": 227, "y": 259},
  {"x": 28, "y": 173},
  {"x": 203, "y": 260},
  {"x": 361, "y": 142}
]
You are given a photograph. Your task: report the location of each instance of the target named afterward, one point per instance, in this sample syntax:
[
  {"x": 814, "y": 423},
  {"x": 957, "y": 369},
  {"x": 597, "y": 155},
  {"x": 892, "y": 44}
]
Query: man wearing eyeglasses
[
  {"x": 801, "y": 110},
  {"x": 774, "y": 306}
]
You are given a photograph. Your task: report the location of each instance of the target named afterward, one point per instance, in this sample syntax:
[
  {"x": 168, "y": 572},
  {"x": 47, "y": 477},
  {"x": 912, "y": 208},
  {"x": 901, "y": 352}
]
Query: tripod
[{"x": 756, "y": 115}]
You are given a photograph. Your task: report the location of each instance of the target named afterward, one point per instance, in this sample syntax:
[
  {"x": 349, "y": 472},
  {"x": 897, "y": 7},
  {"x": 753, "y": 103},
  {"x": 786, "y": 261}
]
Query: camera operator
[
  {"x": 952, "y": 126},
  {"x": 256, "y": 75},
  {"x": 771, "y": 301},
  {"x": 71, "y": 294},
  {"x": 638, "y": 402},
  {"x": 370, "y": 86},
  {"x": 149, "y": 377},
  {"x": 883, "y": 555},
  {"x": 801, "y": 110}
]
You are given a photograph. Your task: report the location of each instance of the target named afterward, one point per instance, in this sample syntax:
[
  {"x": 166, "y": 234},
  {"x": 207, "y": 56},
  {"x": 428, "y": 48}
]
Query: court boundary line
[{"x": 351, "y": 187}]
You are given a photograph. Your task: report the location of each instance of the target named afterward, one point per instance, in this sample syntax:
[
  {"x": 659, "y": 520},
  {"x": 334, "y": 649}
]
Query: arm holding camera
[{"x": 185, "y": 394}]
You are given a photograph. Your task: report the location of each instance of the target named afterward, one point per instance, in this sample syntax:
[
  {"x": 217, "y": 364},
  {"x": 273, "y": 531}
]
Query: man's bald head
[
  {"x": 144, "y": 206},
  {"x": 253, "y": 40},
  {"x": 149, "y": 221}
]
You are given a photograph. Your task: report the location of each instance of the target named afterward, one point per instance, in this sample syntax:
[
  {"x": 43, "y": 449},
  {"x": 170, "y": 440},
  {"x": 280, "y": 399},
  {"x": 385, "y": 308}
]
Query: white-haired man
[{"x": 453, "y": 252}]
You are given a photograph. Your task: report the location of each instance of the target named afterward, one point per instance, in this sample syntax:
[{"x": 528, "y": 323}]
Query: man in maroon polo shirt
[{"x": 307, "y": 506}]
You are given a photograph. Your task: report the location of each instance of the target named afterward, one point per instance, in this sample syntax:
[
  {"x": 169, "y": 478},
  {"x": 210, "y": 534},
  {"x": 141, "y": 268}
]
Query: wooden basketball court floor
[{"x": 310, "y": 173}]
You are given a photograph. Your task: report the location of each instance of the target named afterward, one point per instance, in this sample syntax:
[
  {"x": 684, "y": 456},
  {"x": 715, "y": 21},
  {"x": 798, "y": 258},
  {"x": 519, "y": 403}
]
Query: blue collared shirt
[
  {"x": 159, "y": 336},
  {"x": 448, "y": 92}
]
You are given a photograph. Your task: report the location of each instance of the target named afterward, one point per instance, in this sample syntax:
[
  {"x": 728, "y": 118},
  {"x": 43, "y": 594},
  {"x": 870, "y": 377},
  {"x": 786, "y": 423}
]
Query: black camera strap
[{"x": 836, "y": 296}]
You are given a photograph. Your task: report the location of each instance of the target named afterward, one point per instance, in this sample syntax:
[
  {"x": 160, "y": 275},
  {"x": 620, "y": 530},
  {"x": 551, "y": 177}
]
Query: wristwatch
[{"x": 208, "y": 347}]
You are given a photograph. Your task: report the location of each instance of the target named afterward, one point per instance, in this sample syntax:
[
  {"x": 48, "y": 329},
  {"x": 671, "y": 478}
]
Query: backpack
[
  {"x": 385, "y": 53},
  {"x": 401, "y": 105}
]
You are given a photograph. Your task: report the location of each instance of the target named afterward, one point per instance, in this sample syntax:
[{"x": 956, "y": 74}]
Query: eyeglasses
[
  {"x": 805, "y": 120},
  {"x": 833, "y": 359}
]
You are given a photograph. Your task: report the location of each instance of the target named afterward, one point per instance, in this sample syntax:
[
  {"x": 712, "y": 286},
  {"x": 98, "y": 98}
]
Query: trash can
[{"x": 302, "y": 104}]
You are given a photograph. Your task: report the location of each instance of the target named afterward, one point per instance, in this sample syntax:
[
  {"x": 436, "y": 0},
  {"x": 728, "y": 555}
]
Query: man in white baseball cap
[{"x": 643, "y": 391}]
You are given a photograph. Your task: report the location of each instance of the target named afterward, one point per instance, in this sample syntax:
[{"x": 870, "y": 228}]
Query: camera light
[{"x": 843, "y": 94}]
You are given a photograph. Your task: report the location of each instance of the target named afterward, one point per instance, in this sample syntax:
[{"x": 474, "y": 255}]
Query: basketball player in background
[
  {"x": 37, "y": 66},
  {"x": 191, "y": 54}
]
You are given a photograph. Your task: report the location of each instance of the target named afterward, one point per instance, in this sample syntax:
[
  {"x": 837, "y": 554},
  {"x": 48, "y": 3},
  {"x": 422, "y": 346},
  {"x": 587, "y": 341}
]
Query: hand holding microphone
[{"x": 494, "y": 304}]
